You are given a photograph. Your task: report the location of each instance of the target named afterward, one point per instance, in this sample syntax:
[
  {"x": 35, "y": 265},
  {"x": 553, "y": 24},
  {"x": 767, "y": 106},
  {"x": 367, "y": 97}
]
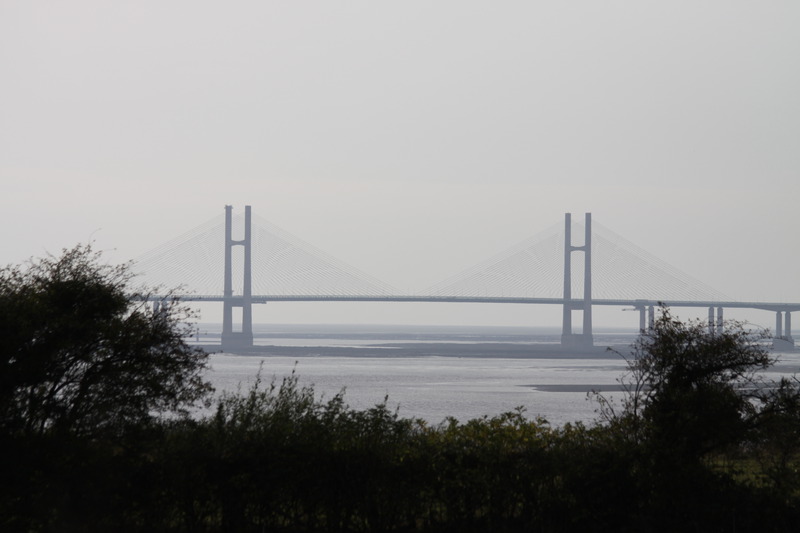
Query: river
[{"x": 438, "y": 372}]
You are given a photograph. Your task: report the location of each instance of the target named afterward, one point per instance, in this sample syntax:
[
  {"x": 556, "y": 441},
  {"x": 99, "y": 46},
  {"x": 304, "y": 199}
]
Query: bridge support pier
[
  {"x": 783, "y": 339},
  {"x": 715, "y": 326},
  {"x": 236, "y": 340},
  {"x": 647, "y": 317},
  {"x": 160, "y": 306},
  {"x": 585, "y": 338}
]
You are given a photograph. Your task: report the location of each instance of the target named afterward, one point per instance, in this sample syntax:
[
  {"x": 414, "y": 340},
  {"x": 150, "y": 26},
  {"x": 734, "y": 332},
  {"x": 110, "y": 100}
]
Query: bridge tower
[
  {"x": 584, "y": 338},
  {"x": 233, "y": 340}
]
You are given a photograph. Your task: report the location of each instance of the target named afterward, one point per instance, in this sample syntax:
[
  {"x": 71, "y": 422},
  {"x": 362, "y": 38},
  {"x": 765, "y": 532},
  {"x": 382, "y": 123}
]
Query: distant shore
[{"x": 493, "y": 350}]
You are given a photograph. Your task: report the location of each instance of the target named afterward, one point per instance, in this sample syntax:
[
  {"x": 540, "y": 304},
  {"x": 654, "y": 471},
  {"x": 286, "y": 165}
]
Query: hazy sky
[{"x": 409, "y": 139}]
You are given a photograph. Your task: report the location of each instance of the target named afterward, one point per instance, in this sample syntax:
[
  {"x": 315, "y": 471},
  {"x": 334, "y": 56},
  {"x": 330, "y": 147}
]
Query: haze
[{"x": 409, "y": 139}]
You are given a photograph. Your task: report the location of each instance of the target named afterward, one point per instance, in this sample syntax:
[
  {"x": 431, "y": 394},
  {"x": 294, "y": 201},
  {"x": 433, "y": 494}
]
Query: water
[{"x": 436, "y": 372}]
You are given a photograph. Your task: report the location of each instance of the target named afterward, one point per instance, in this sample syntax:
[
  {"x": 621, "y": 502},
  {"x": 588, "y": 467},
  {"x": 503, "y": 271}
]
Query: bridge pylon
[
  {"x": 233, "y": 340},
  {"x": 585, "y": 337}
]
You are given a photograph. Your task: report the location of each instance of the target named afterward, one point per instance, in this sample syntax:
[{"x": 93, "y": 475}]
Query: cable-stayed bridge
[{"x": 267, "y": 264}]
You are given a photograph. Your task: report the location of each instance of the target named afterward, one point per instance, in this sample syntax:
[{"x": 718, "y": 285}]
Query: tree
[
  {"x": 691, "y": 390},
  {"x": 82, "y": 352},
  {"x": 696, "y": 411}
]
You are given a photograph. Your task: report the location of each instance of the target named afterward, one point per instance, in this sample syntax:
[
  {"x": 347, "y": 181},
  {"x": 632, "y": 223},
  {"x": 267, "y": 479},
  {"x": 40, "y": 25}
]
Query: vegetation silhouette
[
  {"x": 84, "y": 353},
  {"x": 97, "y": 389}
]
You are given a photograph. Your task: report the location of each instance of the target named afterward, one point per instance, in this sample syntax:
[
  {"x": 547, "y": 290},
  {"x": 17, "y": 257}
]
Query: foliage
[
  {"x": 278, "y": 457},
  {"x": 701, "y": 443},
  {"x": 83, "y": 353},
  {"x": 693, "y": 390},
  {"x": 697, "y": 411}
]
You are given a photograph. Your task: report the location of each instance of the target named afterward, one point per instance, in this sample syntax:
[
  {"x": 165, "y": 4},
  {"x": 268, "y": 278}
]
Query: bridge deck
[{"x": 261, "y": 299}]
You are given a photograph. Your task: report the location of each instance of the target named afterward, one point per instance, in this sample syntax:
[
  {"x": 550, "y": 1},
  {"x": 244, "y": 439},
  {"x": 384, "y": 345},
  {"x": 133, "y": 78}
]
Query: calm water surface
[{"x": 433, "y": 373}]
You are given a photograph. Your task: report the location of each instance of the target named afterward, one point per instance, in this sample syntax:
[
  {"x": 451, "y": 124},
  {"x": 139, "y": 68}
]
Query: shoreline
[{"x": 488, "y": 350}]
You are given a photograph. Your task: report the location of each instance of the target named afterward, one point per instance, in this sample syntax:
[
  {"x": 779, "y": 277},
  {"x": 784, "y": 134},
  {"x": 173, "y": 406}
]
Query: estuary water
[{"x": 438, "y": 372}]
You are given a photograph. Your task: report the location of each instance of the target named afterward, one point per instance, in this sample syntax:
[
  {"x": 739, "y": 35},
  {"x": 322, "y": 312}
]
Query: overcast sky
[{"x": 409, "y": 139}]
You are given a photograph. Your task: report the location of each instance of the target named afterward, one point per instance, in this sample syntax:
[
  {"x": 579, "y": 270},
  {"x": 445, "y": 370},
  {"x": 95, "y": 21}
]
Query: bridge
[{"x": 274, "y": 266}]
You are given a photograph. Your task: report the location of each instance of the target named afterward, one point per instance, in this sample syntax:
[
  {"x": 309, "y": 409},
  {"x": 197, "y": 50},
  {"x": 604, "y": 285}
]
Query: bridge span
[
  {"x": 262, "y": 299},
  {"x": 246, "y": 299},
  {"x": 646, "y": 308}
]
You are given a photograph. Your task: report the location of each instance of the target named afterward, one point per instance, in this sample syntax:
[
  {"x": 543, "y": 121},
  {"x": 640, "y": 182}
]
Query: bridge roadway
[{"x": 261, "y": 299}]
